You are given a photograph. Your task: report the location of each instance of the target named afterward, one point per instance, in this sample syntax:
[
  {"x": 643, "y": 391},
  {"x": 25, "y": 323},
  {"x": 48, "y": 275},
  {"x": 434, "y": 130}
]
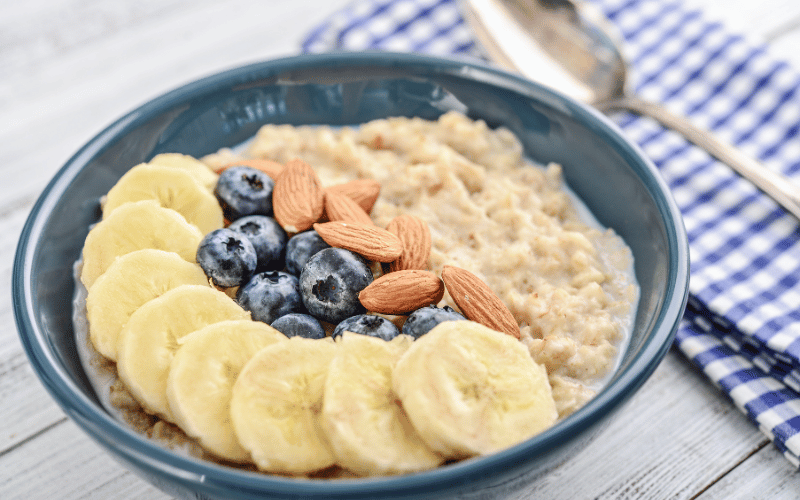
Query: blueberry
[
  {"x": 424, "y": 319},
  {"x": 299, "y": 325},
  {"x": 227, "y": 257},
  {"x": 244, "y": 191},
  {"x": 300, "y": 248},
  {"x": 367, "y": 324},
  {"x": 330, "y": 282},
  {"x": 270, "y": 295},
  {"x": 268, "y": 238}
]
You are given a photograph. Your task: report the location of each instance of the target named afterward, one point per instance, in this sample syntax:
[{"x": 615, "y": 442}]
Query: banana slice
[
  {"x": 471, "y": 390},
  {"x": 196, "y": 168},
  {"x": 201, "y": 378},
  {"x": 172, "y": 188},
  {"x": 134, "y": 226},
  {"x": 148, "y": 341},
  {"x": 366, "y": 426},
  {"x": 276, "y": 405},
  {"x": 129, "y": 282}
]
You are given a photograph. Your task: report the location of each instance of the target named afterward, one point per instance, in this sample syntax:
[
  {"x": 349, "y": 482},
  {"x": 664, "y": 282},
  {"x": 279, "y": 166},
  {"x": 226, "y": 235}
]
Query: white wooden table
[{"x": 70, "y": 67}]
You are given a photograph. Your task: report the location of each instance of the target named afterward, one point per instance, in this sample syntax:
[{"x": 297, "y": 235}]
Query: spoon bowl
[{"x": 583, "y": 42}]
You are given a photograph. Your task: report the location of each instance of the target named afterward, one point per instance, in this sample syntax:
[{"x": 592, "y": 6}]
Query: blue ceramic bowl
[{"x": 612, "y": 176}]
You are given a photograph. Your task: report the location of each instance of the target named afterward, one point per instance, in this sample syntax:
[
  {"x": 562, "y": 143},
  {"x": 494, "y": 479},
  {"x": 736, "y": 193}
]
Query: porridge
[
  {"x": 492, "y": 219},
  {"x": 568, "y": 282}
]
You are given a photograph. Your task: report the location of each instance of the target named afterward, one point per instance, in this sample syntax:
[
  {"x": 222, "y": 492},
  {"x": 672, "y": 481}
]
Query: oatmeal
[
  {"x": 185, "y": 346},
  {"x": 568, "y": 282}
]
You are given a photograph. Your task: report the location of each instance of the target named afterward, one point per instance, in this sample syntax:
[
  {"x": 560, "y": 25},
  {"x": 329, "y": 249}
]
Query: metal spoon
[{"x": 570, "y": 47}]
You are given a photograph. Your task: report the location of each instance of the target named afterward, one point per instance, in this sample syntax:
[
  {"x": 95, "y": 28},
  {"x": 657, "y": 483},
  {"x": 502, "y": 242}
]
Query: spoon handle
[{"x": 778, "y": 187}]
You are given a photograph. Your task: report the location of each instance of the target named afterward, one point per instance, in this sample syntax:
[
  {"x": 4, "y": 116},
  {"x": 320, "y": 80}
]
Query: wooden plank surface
[{"x": 70, "y": 67}]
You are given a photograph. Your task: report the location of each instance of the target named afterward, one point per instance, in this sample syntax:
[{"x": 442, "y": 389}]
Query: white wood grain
[
  {"x": 675, "y": 437},
  {"x": 757, "y": 20},
  {"x": 70, "y": 67},
  {"x": 27, "y": 408},
  {"x": 767, "y": 477},
  {"x": 774, "y": 22},
  {"x": 63, "y": 463}
]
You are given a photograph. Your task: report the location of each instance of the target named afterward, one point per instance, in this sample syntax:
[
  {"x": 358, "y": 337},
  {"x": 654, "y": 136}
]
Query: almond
[
  {"x": 339, "y": 207},
  {"x": 416, "y": 238},
  {"x": 477, "y": 301},
  {"x": 297, "y": 198},
  {"x": 362, "y": 191},
  {"x": 368, "y": 240},
  {"x": 402, "y": 292},
  {"x": 269, "y": 167}
]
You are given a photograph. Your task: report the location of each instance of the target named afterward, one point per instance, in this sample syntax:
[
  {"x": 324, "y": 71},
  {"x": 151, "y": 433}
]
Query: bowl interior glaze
[{"x": 612, "y": 176}]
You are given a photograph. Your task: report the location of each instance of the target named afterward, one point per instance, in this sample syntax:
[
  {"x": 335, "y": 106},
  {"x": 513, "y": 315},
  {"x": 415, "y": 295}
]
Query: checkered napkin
[{"x": 742, "y": 326}]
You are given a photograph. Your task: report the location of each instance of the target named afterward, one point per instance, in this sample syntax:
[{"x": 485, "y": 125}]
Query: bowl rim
[{"x": 148, "y": 454}]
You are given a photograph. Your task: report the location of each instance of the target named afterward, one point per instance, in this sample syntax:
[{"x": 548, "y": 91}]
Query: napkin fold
[{"x": 742, "y": 324}]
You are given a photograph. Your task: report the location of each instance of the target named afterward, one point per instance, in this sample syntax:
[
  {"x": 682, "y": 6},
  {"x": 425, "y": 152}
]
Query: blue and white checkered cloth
[{"x": 742, "y": 326}]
